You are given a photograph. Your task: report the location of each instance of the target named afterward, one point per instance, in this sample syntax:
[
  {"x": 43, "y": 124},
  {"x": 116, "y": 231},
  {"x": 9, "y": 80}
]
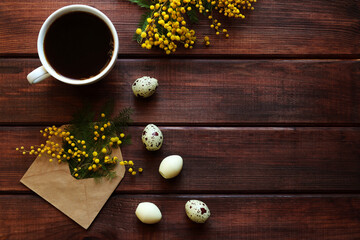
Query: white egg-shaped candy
[
  {"x": 144, "y": 86},
  {"x": 148, "y": 213},
  {"x": 152, "y": 137},
  {"x": 197, "y": 211},
  {"x": 171, "y": 166}
]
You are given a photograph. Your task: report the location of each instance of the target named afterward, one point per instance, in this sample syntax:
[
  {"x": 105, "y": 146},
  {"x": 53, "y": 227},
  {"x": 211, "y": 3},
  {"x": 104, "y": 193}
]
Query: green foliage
[
  {"x": 161, "y": 29},
  {"x": 142, "y": 3},
  {"x": 79, "y": 127},
  {"x": 107, "y": 109},
  {"x": 110, "y": 175},
  {"x": 142, "y": 25},
  {"x": 167, "y": 28},
  {"x": 192, "y": 14},
  {"x": 83, "y": 128},
  {"x": 122, "y": 120},
  {"x": 208, "y": 6}
]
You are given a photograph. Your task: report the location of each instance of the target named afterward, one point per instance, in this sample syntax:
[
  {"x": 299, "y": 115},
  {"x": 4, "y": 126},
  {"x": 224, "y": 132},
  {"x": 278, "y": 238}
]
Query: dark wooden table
[{"x": 268, "y": 124}]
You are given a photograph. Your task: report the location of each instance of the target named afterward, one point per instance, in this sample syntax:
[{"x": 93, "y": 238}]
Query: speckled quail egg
[
  {"x": 145, "y": 86},
  {"x": 148, "y": 213},
  {"x": 152, "y": 137},
  {"x": 171, "y": 166},
  {"x": 197, "y": 211}
]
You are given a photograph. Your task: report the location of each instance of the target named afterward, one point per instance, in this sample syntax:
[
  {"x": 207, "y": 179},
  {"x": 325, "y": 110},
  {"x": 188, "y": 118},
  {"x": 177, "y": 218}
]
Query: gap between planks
[
  {"x": 215, "y": 195},
  {"x": 215, "y": 56}
]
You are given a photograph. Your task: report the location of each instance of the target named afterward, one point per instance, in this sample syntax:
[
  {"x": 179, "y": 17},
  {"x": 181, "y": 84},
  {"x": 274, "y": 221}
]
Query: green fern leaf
[
  {"x": 192, "y": 15},
  {"x": 142, "y": 3},
  {"x": 142, "y": 25}
]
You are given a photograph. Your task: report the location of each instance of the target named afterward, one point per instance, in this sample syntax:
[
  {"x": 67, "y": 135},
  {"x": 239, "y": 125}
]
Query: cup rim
[{"x": 58, "y": 13}]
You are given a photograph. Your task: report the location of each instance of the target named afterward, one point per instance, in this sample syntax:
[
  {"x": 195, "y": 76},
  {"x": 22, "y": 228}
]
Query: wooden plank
[
  {"x": 232, "y": 217},
  {"x": 287, "y": 27},
  {"x": 221, "y": 160},
  {"x": 220, "y": 92}
]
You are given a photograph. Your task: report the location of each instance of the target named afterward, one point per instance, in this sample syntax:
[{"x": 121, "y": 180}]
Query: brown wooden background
[{"x": 267, "y": 123}]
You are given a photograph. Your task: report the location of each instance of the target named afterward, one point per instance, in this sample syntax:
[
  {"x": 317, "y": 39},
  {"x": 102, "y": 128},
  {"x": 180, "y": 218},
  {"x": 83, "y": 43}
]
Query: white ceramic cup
[{"x": 46, "y": 70}]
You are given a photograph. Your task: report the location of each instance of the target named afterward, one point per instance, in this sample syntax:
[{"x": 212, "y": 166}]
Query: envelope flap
[{"x": 81, "y": 200}]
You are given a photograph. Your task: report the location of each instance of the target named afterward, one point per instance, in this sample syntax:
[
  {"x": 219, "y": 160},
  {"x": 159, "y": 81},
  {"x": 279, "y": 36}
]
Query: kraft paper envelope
[{"x": 81, "y": 200}]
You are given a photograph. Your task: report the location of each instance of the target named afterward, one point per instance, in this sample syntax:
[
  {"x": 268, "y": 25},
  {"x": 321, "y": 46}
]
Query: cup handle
[{"x": 37, "y": 75}]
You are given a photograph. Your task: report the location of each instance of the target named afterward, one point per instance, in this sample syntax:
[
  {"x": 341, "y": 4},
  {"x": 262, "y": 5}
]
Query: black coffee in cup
[{"x": 78, "y": 45}]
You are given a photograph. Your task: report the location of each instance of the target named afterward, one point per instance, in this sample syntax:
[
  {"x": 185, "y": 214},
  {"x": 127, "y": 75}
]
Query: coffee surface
[{"x": 78, "y": 45}]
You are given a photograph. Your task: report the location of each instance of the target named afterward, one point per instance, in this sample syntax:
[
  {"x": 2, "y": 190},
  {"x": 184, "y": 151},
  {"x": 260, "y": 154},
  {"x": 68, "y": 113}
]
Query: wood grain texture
[
  {"x": 221, "y": 160},
  {"x": 232, "y": 217},
  {"x": 211, "y": 92},
  {"x": 285, "y": 27},
  {"x": 298, "y": 180}
]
